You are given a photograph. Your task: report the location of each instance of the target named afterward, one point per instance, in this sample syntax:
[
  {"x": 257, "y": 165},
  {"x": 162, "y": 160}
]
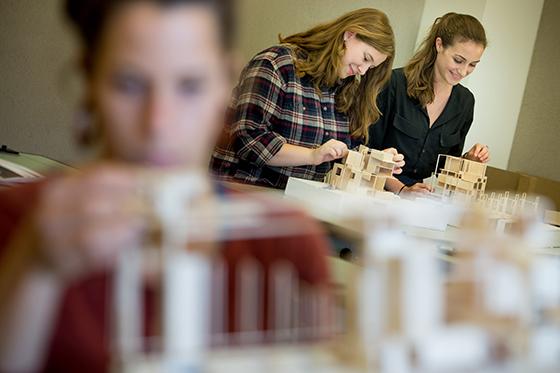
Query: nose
[
  {"x": 362, "y": 69},
  {"x": 158, "y": 114},
  {"x": 463, "y": 71}
]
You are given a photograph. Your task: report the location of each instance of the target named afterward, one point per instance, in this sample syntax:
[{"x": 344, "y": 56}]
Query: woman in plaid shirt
[{"x": 299, "y": 105}]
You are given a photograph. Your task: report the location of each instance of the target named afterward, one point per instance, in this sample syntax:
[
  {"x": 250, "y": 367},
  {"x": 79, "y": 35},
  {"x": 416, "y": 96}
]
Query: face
[
  {"x": 456, "y": 61},
  {"x": 358, "y": 57},
  {"x": 160, "y": 84}
]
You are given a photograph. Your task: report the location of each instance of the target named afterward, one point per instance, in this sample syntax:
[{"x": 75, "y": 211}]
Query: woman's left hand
[
  {"x": 397, "y": 158},
  {"x": 478, "y": 153}
]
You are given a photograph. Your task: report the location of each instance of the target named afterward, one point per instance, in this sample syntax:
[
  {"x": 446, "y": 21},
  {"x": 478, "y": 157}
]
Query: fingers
[
  {"x": 484, "y": 154},
  {"x": 331, "y": 153},
  {"x": 479, "y": 153},
  {"x": 333, "y": 149},
  {"x": 398, "y": 159},
  {"x": 400, "y": 164},
  {"x": 391, "y": 150},
  {"x": 476, "y": 149},
  {"x": 84, "y": 220},
  {"x": 424, "y": 187}
]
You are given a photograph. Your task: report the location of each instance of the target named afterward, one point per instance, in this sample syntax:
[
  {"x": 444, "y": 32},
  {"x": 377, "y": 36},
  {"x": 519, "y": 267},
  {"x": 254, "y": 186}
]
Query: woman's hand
[
  {"x": 329, "y": 151},
  {"x": 82, "y": 221},
  {"x": 418, "y": 188},
  {"x": 397, "y": 158},
  {"x": 478, "y": 153}
]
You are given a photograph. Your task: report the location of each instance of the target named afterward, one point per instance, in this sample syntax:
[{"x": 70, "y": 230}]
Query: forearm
[
  {"x": 292, "y": 155},
  {"x": 394, "y": 185}
]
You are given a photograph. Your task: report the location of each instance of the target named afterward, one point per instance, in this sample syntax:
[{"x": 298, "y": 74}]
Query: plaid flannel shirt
[{"x": 272, "y": 106}]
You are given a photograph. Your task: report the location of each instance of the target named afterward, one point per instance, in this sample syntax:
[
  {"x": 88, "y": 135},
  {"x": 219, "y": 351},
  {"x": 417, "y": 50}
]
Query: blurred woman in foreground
[{"x": 157, "y": 83}]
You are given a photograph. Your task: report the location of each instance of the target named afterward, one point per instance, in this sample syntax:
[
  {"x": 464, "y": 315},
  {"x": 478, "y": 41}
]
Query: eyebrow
[{"x": 464, "y": 59}]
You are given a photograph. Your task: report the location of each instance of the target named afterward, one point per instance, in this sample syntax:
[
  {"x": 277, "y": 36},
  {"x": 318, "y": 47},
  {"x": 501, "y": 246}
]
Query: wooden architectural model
[
  {"x": 364, "y": 171},
  {"x": 460, "y": 177}
]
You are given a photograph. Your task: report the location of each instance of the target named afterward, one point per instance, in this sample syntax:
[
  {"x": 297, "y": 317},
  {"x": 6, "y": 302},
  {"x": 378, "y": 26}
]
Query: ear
[
  {"x": 439, "y": 45},
  {"x": 348, "y": 35}
]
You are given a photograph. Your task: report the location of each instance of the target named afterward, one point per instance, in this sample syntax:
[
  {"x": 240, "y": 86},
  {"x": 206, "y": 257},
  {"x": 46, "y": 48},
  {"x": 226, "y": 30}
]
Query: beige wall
[
  {"x": 263, "y": 20},
  {"x": 37, "y": 79},
  {"x": 39, "y": 87},
  {"x": 537, "y": 139}
]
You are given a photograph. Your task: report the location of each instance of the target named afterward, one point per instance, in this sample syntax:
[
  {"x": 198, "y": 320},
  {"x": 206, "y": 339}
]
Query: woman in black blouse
[{"x": 426, "y": 111}]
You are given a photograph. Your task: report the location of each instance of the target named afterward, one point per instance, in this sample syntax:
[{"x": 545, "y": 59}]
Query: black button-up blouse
[{"x": 405, "y": 125}]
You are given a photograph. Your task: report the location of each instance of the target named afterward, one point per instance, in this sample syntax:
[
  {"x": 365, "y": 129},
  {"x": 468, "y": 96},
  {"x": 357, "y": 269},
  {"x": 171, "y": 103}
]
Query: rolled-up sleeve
[{"x": 259, "y": 103}]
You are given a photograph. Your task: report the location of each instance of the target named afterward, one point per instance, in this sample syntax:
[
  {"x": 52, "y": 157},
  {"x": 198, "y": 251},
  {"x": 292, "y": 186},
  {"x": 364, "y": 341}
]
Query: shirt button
[
  {"x": 324, "y": 108},
  {"x": 326, "y": 133},
  {"x": 303, "y": 108},
  {"x": 415, "y": 170}
]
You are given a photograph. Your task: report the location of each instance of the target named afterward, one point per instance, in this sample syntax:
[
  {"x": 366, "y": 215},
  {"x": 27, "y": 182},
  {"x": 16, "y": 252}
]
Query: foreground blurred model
[{"x": 157, "y": 82}]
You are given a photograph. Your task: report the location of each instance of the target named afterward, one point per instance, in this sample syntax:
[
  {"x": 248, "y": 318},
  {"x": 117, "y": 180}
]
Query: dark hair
[
  {"x": 451, "y": 28},
  {"x": 89, "y": 18}
]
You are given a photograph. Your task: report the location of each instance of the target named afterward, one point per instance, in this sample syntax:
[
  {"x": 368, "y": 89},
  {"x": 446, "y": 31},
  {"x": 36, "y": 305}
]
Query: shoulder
[
  {"x": 398, "y": 78},
  {"x": 278, "y": 59},
  {"x": 397, "y": 81},
  {"x": 280, "y": 54},
  {"x": 464, "y": 95}
]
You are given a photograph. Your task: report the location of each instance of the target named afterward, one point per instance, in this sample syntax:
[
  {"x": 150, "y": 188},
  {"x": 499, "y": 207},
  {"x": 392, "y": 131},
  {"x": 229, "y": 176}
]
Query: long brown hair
[
  {"x": 451, "y": 28},
  {"x": 324, "y": 47}
]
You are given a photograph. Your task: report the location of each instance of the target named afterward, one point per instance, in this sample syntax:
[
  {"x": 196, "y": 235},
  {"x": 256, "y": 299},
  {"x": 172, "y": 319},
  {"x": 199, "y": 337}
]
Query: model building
[{"x": 363, "y": 171}]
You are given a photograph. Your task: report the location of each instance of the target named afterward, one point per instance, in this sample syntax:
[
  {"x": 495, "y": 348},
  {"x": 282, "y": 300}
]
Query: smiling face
[
  {"x": 455, "y": 62},
  {"x": 358, "y": 57},
  {"x": 160, "y": 84}
]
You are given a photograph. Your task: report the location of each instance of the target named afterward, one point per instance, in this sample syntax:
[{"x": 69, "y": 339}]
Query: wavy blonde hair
[
  {"x": 419, "y": 71},
  {"x": 324, "y": 47}
]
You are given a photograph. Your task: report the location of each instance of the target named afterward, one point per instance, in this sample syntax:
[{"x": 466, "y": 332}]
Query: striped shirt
[{"x": 272, "y": 106}]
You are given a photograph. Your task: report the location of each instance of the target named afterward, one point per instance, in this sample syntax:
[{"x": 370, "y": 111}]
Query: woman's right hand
[
  {"x": 329, "y": 151},
  {"x": 418, "y": 189},
  {"x": 398, "y": 159},
  {"x": 82, "y": 221}
]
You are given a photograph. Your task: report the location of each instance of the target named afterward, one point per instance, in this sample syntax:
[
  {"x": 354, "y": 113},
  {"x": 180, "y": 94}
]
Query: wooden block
[
  {"x": 354, "y": 160},
  {"x": 451, "y": 181},
  {"x": 473, "y": 167},
  {"x": 380, "y": 183},
  {"x": 381, "y": 155},
  {"x": 473, "y": 178},
  {"x": 464, "y": 184},
  {"x": 364, "y": 149},
  {"x": 453, "y": 163},
  {"x": 384, "y": 171}
]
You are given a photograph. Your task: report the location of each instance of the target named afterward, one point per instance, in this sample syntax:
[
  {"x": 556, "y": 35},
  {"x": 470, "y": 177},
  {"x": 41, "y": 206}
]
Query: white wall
[{"x": 499, "y": 82}]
